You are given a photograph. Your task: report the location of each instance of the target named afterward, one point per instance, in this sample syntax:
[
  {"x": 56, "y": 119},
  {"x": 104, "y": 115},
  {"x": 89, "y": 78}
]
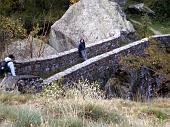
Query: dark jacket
[{"x": 82, "y": 46}]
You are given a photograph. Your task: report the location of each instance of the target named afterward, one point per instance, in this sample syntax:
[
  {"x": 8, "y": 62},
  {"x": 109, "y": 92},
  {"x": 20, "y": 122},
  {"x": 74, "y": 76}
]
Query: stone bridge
[
  {"x": 51, "y": 65},
  {"x": 102, "y": 62}
]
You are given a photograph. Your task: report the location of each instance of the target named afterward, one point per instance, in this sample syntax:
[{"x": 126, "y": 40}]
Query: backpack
[{"x": 4, "y": 68}]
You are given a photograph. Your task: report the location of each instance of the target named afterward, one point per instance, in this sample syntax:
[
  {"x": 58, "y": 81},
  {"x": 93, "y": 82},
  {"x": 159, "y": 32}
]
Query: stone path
[{"x": 156, "y": 32}]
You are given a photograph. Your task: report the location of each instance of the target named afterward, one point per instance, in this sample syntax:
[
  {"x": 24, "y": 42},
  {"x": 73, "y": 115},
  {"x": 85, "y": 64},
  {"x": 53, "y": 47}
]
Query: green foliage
[
  {"x": 160, "y": 7},
  {"x": 163, "y": 27},
  {"x": 11, "y": 29},
  {"x": 161, "y": 114},
  {"x": 84, "y": 89},
  {"x": 27, "y": 118},
  {"x": 146, "y": 22},
  {"x": 157, "y": 57},
  {"x": 34, "y": 11},
  {"x": 53, "y": 90},
  {"x": 142, "y": 25}
]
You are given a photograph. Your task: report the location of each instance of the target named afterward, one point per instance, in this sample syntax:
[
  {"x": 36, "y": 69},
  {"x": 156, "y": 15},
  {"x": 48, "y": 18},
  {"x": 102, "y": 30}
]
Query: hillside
[{"x": 159, "y": 21}]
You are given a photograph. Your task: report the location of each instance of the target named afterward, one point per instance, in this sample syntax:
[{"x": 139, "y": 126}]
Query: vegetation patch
[
  {"x": 157, "y": 57},
  {"x": 67, "y": 122},
  {"x": 13, "y": 98},
  {"x": 20, "y": 117},
  {"x": 97, "y": 113},
  {"x": 163, "y": 27},
  {"x": 160, "y": 113}
]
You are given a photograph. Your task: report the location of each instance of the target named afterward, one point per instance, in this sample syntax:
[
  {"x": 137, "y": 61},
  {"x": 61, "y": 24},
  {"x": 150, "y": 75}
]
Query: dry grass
[
  {"x": 82, "y": 109},
  {"x": 13, "y": 98}
]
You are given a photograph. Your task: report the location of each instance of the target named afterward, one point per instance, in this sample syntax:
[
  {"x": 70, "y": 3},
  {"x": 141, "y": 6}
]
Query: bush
[{"x": 161, "y": 8}]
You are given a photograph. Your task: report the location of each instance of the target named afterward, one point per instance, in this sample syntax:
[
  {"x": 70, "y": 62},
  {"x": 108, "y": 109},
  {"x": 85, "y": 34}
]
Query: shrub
[{"x": 83, "y": 89}]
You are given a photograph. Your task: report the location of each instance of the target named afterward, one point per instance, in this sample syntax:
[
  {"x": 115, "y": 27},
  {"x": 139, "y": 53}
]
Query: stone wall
[
  {"x": 102, "y": 66},
  {"x": 50, "y": 65},
  {"x": 103, "y": 61}
]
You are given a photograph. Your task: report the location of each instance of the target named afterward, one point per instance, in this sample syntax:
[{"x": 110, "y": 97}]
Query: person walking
[
  {"x": 82, "y": 49},
  {"x": 9, "y": 81}
]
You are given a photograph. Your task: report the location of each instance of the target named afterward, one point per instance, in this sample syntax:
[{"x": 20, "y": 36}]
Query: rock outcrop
[
  {"x": 120, "y": 2},
  {"x": 137, "y": 84},
  {"x": 29, "y": 48},
  {"x": 22, "y": 83},
  {"x": 92, "y": 20},
  {"x": 140, "y": 8}
]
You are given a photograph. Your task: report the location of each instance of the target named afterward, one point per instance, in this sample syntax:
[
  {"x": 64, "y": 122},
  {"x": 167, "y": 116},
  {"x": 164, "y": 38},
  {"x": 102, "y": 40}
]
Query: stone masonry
[
  {"x": 61, "y": 61},
  {"x": 95, "y": 68},
  {"x": 101, "y": 66}
]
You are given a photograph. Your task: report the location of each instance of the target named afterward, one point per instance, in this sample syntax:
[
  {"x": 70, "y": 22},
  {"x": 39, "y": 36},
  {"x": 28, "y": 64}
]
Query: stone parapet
[
  {"x": 100, "y": 68},
  {"x": 53, "y": 64}
]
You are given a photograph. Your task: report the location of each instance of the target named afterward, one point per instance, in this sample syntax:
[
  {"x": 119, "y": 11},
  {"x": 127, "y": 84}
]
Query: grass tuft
[
  {"x": 10, "y": 98},
  {"x": 20, "y": 117},
  {"x": 67, "y": 122}
]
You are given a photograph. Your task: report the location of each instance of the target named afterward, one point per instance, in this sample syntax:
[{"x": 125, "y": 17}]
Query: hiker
[
  {"x": 9, "y": 80},
  {"x": 82, "y": 49}
]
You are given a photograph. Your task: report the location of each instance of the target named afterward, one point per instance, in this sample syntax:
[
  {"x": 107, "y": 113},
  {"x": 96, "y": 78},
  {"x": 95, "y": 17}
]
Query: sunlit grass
[
  {"x": 14, "y": 98},
  {"x": 163, "y": 27},
  {"x": 81, "y": 107},
  {"x": 19, "y": 117}
]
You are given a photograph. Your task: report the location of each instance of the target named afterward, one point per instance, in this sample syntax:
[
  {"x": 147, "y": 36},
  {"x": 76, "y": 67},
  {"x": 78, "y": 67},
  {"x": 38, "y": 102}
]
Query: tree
[
  {"x": 146, "y": 22},
  {"x": 10, "y": 30},
  {"x": 34, "y": 11}
]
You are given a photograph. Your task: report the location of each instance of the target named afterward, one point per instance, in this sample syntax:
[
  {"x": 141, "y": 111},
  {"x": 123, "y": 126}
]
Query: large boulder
[
  {"x": 93, "y": 20},
  {"x": 29, "y": 48},
  {"x": 120, "y": 2}
]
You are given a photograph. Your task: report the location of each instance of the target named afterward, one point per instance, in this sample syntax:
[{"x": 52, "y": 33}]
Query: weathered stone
[
  {"x": 92, "y": 20},
  {"x": 120, "y": 2},
  {"x": 100, "y": 66},
  {"x": 62, "y": 60},
  {"x": 9, "y": 82},
  {"x": 65, "y": 59},
  {"x": 118, "y": 85},
  {"x": 22, "y": 83},
  {"x": 22, "y": 49},
  {"x": 139, "y": 84},
  {"x": 140, "y": 8},
  {"x": 29, "y": 84}
]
